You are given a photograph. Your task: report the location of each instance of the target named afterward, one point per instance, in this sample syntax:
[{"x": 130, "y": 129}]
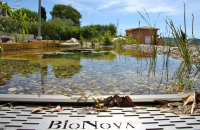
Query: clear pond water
[{"x": 104, "y": 71}]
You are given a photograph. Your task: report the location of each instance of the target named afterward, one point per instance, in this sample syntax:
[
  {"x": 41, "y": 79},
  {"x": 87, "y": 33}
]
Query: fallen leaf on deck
[
  {"x": 119, "y": 101},
  {"x": 190, "y": 105},
  {"x": 189, "y": 99},
  {"x": 37, "y": 110},
  {"x": 10, "y": 104},
  {"x": 126, "y": 102},
  {"x": 57, "y": 109},
  {"x": 68, "y": 95}
]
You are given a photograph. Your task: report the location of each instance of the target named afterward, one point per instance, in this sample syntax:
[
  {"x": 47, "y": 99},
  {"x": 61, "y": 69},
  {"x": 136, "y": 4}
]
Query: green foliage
[
  {"x": 57, "y": 28},
  {"x": 113, "y": 29},
  {"x": 88, "y": 32},
  {"x": 182, "y": 42},
  {"x": 30, "y": 15},
  {"x": 94, "y": 40},
  {"x": 57, "y": 11},
  {"x": 9, "y": 25},
  {"x": 21, "y": 17},
  {"x": 43, "y": 13},
  {"x": 97, "y": 31},
  {"x": 62, "y": 22},
  {"x": 51, "y": 30},
  {"x": 33, "y": 27},
  {"x": 6, "y": 7},
  {"x": 130, "y": 40},
  {"x": 66, "y": 12},
  {"x": 107, "y": 39},
  {"x": 81, "y": 40},
  {"x": 184, "y": 82}
]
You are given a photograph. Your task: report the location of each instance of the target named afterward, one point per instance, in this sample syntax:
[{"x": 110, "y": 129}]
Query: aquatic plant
[
  {"x": 152, "y": 28},
  {"x": 188, "y": 69}
]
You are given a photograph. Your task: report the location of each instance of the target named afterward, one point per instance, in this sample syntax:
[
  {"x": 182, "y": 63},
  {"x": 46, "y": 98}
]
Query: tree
[
  {"x": 18, "y": 16},
  {"x": 43, "y": 13},
  {"x": 66, "y": 12},
  {"x": 30, "y": 15},
  {"x": 62, "y": 22},
  {"x": 21, "y": 18}
]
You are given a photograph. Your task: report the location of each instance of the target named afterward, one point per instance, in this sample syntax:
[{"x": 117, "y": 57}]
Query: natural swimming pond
[{"x": 103, "y": 71}]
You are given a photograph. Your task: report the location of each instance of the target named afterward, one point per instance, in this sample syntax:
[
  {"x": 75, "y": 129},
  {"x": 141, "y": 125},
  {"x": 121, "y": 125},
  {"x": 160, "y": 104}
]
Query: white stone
[{"x": 12, "y": 89}]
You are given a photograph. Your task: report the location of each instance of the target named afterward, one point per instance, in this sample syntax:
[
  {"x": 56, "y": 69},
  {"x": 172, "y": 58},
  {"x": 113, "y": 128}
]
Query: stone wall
[
  {"x": 162, "y": 50},
  {"x": 27, "y": 37}
]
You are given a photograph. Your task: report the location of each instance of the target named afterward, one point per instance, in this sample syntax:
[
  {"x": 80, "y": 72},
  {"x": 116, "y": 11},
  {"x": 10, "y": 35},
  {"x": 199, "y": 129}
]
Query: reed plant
[
  {"x": 183, "y": 43},
  {"x": 152, "y": 28},
  {"x": 138, "y": 37},
  {"x": 188, "y": 69}
]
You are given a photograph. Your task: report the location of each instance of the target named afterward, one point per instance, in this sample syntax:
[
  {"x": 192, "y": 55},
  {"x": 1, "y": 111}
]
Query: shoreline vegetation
[{"x": 172, "y": 51}]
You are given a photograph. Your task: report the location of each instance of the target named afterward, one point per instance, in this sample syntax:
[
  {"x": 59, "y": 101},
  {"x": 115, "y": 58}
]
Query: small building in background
[
  {"x": 144, "y": 34},
  {"x": 3, "y": 13}
]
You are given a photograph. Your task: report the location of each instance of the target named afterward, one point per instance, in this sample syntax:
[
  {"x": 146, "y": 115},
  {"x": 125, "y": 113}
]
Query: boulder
[
  {"x": 118, "y": 39},
  {"x": 73, "y": 40}
]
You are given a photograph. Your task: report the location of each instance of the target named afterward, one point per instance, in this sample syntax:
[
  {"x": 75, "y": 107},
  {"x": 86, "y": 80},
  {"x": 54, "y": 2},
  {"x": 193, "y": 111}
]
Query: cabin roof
[{"x": 142, "y": 27}]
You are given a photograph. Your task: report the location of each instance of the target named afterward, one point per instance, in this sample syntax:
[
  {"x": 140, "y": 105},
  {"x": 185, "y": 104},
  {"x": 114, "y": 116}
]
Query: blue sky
[{"x": 125, "y": 12}]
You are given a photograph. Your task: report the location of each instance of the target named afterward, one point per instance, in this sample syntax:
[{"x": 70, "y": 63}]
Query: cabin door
[{"x": 147, "y": 39}]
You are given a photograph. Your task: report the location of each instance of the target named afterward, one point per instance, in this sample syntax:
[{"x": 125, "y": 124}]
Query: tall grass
[
  {"x": 153, "y": 61},
  {"x": 188, "y": 69},
  {"x": 183, "y": 44}
]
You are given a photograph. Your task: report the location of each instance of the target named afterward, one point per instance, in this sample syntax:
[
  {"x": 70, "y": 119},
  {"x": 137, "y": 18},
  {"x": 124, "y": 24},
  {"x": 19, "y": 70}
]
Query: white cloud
[
  {"x": 169, "y": 7},
  {"x": 80, "y": 5},
  {"x": 111, "y": 3},
  {"x": 156, "y": 6}
]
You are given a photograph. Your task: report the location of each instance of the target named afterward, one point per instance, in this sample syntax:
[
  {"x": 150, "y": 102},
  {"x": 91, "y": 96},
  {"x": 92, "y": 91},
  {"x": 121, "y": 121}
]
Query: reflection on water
[{"x": 100, "y": 71}]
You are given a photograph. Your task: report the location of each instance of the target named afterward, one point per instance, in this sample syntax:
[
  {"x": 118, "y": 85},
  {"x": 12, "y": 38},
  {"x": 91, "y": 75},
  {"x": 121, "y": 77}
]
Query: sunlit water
[{"x": 100, "y": 72}]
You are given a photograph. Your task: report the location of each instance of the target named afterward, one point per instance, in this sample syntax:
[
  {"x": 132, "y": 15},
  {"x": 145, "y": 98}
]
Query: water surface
[{"x": 99, "y": 72}]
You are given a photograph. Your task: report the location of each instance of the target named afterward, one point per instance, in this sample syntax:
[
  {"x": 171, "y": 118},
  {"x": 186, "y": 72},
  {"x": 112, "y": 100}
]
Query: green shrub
[{"x": 107, "y": 39}]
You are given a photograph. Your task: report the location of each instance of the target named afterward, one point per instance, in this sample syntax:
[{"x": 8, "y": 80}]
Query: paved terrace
[{"x": 144, "y": 116}]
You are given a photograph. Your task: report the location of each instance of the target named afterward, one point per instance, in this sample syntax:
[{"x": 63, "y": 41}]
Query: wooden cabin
[{"x": 143, "y": 34}]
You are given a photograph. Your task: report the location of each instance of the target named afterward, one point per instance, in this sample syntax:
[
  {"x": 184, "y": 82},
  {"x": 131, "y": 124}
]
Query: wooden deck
[
  {"x": 34, "y": 44},
  {"x": 20, "y": 116}
]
